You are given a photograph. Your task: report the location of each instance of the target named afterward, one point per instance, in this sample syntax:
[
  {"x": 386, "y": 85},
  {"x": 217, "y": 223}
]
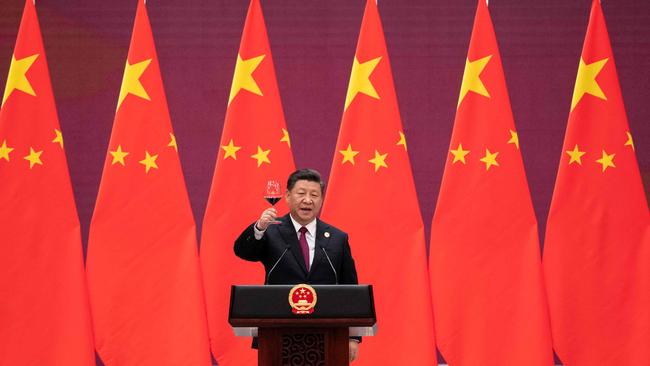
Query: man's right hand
[{"x": 268, "y": 217}]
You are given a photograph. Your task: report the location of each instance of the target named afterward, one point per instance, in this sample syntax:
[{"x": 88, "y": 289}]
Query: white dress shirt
[{"x": 310, "y": 235}]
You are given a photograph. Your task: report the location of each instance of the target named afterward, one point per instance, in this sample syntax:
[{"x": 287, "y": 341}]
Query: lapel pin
[{"x": 326, "y": 234}]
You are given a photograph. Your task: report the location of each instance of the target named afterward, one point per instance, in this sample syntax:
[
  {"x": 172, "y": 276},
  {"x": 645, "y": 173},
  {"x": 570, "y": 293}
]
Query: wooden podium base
[{"x": 303, "y": 346}]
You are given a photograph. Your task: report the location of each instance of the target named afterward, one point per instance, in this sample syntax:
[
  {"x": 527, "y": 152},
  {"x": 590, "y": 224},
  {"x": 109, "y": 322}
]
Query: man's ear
[{"x": 286, "y": 194}]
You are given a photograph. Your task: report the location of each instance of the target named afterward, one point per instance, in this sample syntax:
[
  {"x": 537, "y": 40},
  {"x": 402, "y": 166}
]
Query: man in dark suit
[{"x": 298, "y": 247}]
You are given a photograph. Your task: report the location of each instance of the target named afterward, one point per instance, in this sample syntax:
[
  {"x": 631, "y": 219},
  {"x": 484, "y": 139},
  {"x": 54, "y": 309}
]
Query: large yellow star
[
  {"x": 472, "y": 80},
  {"x": 17, "y": 78},
  {"x": 243, "y": 78},
  {"x": 459, "y": 154},
  {"x": 118, "y": 155},
  {"x": 514, "y": 138},
  {"x": 586, "y": 81},
  {"x": 172, "y": 141},
  {"x": 262, "y": 156},
  {"x": 131, "y": 81},
  {"x": 379, "y": 160},
  {"x": 360, "y": 80},
  {"x": 629, "y": 141},
  {"x": 402, "y": 140},
  {"x": 149, "y": 161},
  {"x": 576, "y": 155},
  {"x": 34, "y": 157},
  {"x": 607, "y": 160},
  {"x": 5, "y": 150},
  {"x": 490, "y": 159},
  {"x": 58, "y": 138},
  {"x": 348, "y": 155},
  {"x": 285, "y": 137},
  {"x": 231, "y": 150}
]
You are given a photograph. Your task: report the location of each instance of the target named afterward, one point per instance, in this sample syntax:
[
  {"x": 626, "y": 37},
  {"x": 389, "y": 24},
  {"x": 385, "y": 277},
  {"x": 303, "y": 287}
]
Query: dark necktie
[{"x": 304, "y": 246}]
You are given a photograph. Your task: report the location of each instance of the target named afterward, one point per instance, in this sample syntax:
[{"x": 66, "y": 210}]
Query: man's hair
[{"x": 310, "y": 175}]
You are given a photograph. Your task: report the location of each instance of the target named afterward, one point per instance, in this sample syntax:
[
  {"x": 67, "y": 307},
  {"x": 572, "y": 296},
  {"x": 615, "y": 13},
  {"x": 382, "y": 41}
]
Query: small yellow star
[
  {"x": 262, "y": 156},
  {"x": 459, "y": 154},
  {"x": 490, "y": 159},
  {"x": 17, "y": 79},
  {"x": 285, "y": 137},
  {"x": 231, "y": 150},
  {"x": 34, "y": 157},
  {"x": 607, "y": 160},
  {"x": 472, "y": 80},
  {"x": 348, "y": 155},
  {"x": 172, "y": 141},
  {"x": 360, "y": 80},
  {"x": 629, "y": 141},
  {"x": 586, "y": 81},
  {"x": 118, "y": 155},
  {"x": 58, "y": 138},
  {"x": 243, "y": 78},
  {"x": 149, "y": 161},
  {"x": 514, "y": 138},
  {"x": 379, "y": 160},
  {"x": 5, "y": 150},
  {"x": 131, "y": 81},
  {"x": 576, "y": 155},
  {"x": 402, "y": 140}
]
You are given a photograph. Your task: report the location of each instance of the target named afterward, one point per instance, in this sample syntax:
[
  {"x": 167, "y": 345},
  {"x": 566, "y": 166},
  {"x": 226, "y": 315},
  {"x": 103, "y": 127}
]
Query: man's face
[{"x": 305, "y": 200}]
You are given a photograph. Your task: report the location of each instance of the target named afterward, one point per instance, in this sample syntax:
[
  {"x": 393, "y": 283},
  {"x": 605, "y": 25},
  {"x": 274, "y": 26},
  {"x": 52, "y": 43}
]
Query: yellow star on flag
[
  {"x": 172, "y": 141},
  {"x": 629, "y": 141},
  {"x": 285, "y": 137},
  {"x": 360, "y": 80},
  {"x": 402, "y": 140},
  {"x": 58, "y": 138},
  {"x": 348, "y": 155},
  {"x": 17, "y": 79},
  {"x": 472, "y": 80},
  {"x": 5, "y": 150},
  {"x": 576, "y": 155},
  {"x": 379, "y": 160},
  {"x": 243, "y": 78},
  {"x": 131, "y": 81},
  {"x": 514, "y": 138},
  {"x": 118, "y": 155},
  {"x": 149, "y": 161},
  {"x": 262, "y": 156},
  {"x": 490, "y": 159},
  {"x": 607, "y": 160},
  {"x": 231, "y": 150},
  {"x": 459, "y": 154},
  {"x": 586, "y": 81},
  {"x": 34, "y": 157}
]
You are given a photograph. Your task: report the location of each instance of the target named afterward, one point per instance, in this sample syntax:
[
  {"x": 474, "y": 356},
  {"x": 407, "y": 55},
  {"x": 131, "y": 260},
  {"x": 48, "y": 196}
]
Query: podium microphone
[
  {"x": 336, "y": 278},
  {"x": 276, "y": 263}
]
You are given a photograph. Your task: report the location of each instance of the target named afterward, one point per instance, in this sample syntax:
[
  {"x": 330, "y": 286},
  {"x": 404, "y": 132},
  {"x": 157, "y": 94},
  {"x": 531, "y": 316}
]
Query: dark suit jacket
[{"x": 291, "y": 268}]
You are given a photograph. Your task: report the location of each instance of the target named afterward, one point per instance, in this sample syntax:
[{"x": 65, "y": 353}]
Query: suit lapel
[
  {"x": 322, "y": 240},
  {"x": 290, "y": 236}
]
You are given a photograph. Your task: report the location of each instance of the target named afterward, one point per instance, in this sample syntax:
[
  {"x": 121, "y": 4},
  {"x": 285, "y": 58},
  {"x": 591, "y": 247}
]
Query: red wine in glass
[{"x": 273, "y": 192}]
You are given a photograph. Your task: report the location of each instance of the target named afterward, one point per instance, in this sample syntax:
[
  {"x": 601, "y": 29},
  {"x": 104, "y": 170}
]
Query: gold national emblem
[{"x": 302, "y": 299}]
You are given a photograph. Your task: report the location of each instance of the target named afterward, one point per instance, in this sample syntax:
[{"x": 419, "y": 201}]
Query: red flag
[
  {"x": 143, "y": 267},
  {"x": 597, "y": 249},
  {"x": 371, "y": 195},
  {"x": 44, "y": 314},
  {"x": 486, "y": 277},
  {"x": 254, "y": 148}
]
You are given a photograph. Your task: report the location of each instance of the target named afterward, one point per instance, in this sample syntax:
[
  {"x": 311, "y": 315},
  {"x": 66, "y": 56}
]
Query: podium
[{"x": 302, "y": 325}]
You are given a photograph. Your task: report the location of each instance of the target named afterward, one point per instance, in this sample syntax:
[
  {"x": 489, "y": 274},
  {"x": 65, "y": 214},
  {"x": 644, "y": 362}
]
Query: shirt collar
[{"x": 311, "y": 227}]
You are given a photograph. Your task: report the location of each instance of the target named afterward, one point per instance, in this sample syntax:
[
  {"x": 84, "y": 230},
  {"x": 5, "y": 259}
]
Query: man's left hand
[{"x": 354, "y": 350}]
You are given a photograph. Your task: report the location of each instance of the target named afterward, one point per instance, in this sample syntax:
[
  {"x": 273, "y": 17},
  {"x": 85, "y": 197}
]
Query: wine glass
[{"x": 273, "y": 192}]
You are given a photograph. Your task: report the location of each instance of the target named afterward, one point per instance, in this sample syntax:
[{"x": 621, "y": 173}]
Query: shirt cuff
[{"x": 258, "y": 233}]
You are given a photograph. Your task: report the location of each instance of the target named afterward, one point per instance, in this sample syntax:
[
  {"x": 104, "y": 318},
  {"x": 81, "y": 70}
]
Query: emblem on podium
[{"x": 302, "y": 299}]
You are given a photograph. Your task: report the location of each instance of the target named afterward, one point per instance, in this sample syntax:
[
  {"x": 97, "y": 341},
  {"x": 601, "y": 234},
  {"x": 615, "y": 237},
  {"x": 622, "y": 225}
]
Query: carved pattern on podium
[{"x": 300, "y": 349}]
